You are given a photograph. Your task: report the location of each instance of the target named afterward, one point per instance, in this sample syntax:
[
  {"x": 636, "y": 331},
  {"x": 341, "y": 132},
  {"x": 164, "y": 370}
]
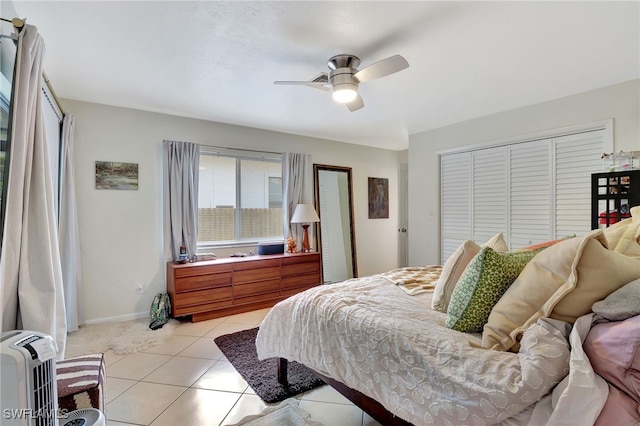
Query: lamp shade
[{"x": 305, "y": 213}]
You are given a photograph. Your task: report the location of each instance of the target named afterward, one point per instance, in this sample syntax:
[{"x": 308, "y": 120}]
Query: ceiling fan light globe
[{"x": 344, "y": 95}]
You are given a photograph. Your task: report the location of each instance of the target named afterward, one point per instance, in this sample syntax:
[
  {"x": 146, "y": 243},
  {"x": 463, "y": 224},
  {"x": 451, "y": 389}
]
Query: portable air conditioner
[{"x": 28, "y": 369}]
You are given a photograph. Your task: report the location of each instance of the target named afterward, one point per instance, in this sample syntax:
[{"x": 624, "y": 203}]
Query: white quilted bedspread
[{"x": 370, "y": 335}]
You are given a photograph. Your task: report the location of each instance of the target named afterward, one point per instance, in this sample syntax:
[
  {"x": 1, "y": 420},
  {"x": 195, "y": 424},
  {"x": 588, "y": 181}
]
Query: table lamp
[{"x": 305, "y": 214}]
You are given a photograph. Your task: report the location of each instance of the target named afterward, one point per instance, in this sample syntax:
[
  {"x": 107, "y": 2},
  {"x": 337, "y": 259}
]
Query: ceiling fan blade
[
  {"x": 382, "y": 68},
  {"x": 355, "y": 104},
  {"x": 321, "y": 86}
]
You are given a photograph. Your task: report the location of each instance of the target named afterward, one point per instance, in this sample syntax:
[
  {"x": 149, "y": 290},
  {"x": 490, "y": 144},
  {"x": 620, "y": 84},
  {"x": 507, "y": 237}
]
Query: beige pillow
[
  {"x": 497, "y": 243},
  {"x": 627, "y": 242},
  {"x": 454, "y": 267},
  {"x": 617, "y": 231},
  {"x": 561, "y": 282}
]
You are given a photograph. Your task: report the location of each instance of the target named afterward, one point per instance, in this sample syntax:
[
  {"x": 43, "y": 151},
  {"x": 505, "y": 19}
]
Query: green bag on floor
[{"x": 160, "y": 311}]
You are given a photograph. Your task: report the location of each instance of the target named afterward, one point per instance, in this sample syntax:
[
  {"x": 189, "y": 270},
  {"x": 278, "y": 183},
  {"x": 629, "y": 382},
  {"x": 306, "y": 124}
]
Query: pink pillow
[
  {"x": 613, "y": 349},
  {"x": 619, "y": 409}
]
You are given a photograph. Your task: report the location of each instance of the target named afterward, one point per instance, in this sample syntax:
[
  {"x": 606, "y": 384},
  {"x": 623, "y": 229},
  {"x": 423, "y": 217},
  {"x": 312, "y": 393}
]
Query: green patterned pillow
[{"x": 482, "y": 284}]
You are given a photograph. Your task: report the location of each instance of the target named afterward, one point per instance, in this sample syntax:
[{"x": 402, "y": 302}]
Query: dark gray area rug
[{"x": 240, "y": 350}]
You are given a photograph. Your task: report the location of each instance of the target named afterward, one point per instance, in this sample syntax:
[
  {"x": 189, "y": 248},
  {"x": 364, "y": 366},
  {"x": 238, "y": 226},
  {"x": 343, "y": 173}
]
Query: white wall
[
  {"x": 121, "y": 231},
  {"x": 620, "y": 102}
]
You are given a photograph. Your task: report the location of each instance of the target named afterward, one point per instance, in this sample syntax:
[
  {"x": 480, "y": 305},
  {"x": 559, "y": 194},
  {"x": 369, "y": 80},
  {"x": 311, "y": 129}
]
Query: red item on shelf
[{"x": 609, "y": 218}]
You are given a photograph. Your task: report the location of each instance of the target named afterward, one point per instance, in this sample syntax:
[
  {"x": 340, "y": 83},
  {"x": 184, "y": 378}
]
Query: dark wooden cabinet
[
  {"x": 215, "y": 288},
  {"x": 612, "y": 196}
]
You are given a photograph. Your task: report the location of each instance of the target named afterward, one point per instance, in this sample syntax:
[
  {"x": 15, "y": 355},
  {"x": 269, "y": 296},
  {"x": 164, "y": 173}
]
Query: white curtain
[
  {"x": 68, "y": 229},
  {"x": 180, "y": 197},
  {"x": 297, "y": 188},
  {"x": 30, "y": 268}
]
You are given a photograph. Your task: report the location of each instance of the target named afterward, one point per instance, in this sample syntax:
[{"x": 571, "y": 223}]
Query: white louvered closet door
[
  {"x": 490, "y": 192},
  {"x": 531, "y": 193},
  {"x": 455, "y": 201},
  {"x": 576, "y": 157}
]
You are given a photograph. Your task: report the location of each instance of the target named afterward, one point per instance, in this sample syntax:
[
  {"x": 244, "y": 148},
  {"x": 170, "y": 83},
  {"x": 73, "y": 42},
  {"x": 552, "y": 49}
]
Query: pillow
[
  {"x": 454, "y": 267},
  {"x": 627, "y": 243},
  {"x": 614, "y": 352},
  {"x": 497, "y": 243},
  {"x": 617, "y": 231},
  {"x": 619, "y": 409},
  {"x": 544, "y": 244},
  {"x": 561, "y": 282},
  {"x": 621, "y": 304},
  {"x": 481, "y": 285}
]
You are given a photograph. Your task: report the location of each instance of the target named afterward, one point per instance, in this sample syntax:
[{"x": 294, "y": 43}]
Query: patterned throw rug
[
  {"x": 122, "y": 338},
  {"x": 240, "y": 350}
]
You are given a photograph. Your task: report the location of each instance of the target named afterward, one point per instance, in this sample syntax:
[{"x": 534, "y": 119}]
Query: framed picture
[
  {"x": 378, "y": 198},
  {"x": 112, "y": 175}
]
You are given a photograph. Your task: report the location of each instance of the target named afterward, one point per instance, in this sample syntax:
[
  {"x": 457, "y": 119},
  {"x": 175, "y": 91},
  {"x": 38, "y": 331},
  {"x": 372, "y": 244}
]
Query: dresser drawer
[
  {"x": 204, "y": 307},
  {"x": 183, "y": 271},
  {"x": 258, "y": 274},
  {"x": 300, "y": 281},
  {"x": 301, "y": 268},
  {"x": 198, "y": 282},
  {"x": 203, "y": 296},
  {"x": 275, "y": 295},
  {"x": 248, "y": 289},
  {"x": 256, "y": 264}
]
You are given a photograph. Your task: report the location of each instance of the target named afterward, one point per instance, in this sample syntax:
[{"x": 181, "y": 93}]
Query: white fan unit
[{"x": 28, "y": 369}]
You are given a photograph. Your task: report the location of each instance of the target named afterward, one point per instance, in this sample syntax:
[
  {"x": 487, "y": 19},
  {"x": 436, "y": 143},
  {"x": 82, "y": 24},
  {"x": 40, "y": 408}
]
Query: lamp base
[{"x": 305, "y": 238}]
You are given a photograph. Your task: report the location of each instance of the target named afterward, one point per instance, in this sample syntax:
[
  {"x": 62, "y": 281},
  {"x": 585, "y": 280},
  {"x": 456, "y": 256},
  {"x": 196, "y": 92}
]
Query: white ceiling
[{"x": 217, "y": 60}]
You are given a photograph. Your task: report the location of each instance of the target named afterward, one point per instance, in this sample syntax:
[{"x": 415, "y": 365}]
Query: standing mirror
[{"x": 335, "y": 232}]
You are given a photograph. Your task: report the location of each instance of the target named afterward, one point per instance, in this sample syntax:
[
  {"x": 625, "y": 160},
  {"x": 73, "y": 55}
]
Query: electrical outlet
[{"x": 139, "y": 288}]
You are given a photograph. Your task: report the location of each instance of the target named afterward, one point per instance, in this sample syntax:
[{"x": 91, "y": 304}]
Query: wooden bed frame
[{"x": 367, "y": 404}]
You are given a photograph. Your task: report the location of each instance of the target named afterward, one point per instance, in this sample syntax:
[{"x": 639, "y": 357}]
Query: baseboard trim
[{"x": 118, "y": 318}]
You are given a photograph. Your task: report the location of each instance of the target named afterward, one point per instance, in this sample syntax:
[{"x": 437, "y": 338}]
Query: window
[
  {"x": 275, "y": 192},
  {"x": 239, "y": 197}
]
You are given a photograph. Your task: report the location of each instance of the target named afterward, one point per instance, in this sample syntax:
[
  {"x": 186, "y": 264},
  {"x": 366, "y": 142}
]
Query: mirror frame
[{"x": 324, "y": 167}]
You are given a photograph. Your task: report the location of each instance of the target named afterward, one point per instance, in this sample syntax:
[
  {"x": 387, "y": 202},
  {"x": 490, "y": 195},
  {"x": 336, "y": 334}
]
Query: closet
[{"x": 531, "y": 191}]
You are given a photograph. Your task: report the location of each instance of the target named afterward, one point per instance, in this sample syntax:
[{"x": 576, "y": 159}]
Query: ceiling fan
[{"x": 344, "y": 77}]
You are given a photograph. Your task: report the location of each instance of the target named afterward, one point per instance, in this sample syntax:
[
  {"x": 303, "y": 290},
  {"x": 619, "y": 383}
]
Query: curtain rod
[
  {"x": 240, "y": 149},
  {"x": 252, "y": 150},
  {"x": 53, "y": 92},
  {"x": 17, "y": 22}
]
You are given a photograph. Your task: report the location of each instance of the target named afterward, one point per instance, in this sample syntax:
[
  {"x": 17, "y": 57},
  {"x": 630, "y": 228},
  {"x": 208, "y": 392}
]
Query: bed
[{"x": 382, "y": 340}]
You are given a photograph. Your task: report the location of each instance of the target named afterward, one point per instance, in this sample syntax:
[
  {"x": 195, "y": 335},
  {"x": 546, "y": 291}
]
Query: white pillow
[{"x": 455, "y": 266}]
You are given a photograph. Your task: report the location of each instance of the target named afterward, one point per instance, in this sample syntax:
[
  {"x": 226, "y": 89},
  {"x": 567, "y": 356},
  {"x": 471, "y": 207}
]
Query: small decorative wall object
[
  {"x": 112, "y": 175},
  {"x": 378, "y": 198}
]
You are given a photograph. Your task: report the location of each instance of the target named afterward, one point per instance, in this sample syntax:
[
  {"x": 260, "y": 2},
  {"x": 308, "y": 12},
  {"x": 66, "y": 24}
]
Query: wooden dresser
[{"x": 226, "y": 286}]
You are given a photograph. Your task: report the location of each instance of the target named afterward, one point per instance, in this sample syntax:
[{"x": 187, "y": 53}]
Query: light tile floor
[{"x": 187, "y": 381}]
